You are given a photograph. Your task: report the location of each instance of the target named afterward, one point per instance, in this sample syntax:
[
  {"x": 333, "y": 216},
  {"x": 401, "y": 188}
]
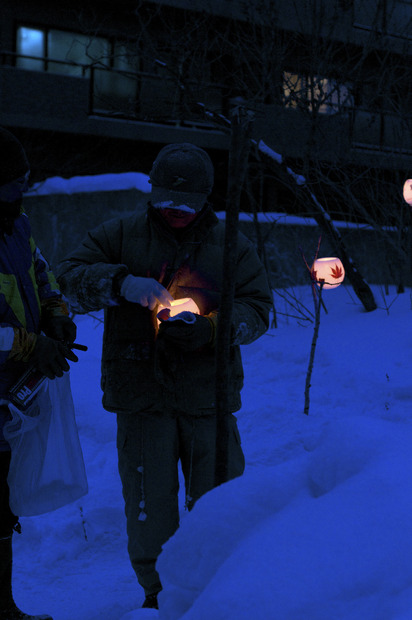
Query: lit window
[
  {"x": 30, "y": 42},
  {"x": 71, "y": 50},
  {"x": 111, "y": 67},
  {"x": 113, "y": 86},
  {"x": 293, "y": 89},
  {"x": 75, "y": 50},
  {"x": 322, "y": 95}
]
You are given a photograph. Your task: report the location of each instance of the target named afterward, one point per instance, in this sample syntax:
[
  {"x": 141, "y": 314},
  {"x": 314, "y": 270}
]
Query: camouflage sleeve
[
  {"x": 90, "y": 288},
  {"x": 87, "y": 276},
  {"x": 253, "y": 298}
]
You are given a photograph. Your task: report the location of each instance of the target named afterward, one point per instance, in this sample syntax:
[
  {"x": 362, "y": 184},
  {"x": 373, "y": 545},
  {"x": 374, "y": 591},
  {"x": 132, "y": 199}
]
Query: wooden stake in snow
[{"x": 241, "y": 124}]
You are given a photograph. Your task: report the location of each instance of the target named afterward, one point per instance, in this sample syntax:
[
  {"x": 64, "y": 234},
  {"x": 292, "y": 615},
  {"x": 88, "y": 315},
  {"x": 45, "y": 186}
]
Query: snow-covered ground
[
  {"x": 318, "y": 528},
  {"x": 92, "y": 183}
]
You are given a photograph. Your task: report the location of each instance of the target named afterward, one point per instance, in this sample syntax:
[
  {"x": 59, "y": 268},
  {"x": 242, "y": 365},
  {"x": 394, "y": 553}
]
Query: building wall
[
  {"x": 32, "y": 99},
  {"x": 47, "y": 101},
  {"x": 54, "y": 116},
  {"x": 60, "y": 222}
]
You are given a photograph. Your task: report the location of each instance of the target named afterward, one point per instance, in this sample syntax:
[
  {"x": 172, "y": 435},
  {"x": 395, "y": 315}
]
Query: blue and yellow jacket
[{"x": 29, "y": 294}]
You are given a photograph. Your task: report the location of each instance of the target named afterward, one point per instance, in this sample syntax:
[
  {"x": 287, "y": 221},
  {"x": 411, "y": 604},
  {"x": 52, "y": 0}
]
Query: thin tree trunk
[
  {"x": 313, "y": 206},
  {"x": 298, "y": 185},
  {"x": 318, "y": 306},
  {"x": 241, "y": 123}
]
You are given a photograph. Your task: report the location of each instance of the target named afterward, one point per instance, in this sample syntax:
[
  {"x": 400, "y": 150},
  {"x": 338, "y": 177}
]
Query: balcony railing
[
  {"x": 152, "y": 98},
  {"x": 132, "y": 95},
  {"x": 381, "y": 132}
]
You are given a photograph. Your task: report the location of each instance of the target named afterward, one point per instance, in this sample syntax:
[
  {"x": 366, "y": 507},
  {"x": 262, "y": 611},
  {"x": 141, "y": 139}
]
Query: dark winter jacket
[
  {"x": 28, "y": 294},
  {"x": 136, "y": 376},
  {"x": 26, "y": 288}
]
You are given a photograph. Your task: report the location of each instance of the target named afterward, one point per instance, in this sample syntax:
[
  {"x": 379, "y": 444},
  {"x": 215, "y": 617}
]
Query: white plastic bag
[{"x": 47, "y": 468}]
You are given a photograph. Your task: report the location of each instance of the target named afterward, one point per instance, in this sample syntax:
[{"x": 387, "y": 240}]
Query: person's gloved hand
[
  {"x": 50, "y": 357},
  {"x": 187, "y": 331},
  {"x": 145, "y": 291},
  {"x": 60, "y": 328}
]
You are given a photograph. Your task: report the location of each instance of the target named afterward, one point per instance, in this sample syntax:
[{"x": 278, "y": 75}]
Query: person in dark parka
[{"x": 159, "y": 376}]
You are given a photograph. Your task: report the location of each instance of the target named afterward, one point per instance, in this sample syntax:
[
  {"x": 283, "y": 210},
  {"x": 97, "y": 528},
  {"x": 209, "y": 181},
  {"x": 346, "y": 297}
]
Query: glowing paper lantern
[
  {"x": 329, "y": 270},
  {"x": 407, "y": 191},
  {"x": 180, "y": 305}
]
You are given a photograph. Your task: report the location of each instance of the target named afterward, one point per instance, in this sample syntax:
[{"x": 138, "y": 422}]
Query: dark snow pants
[{"x": 149, "y": 449}]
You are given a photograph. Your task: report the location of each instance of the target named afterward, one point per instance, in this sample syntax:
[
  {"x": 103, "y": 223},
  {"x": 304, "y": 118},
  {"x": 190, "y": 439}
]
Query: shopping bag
[{"x": 47, "y": 468}]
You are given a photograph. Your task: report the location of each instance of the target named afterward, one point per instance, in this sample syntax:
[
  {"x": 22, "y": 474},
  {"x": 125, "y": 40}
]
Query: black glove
[
  {"x": 49, "y": 357},
  {"x": 60, "y": 328},
  {"x": 185, "y": 335}
]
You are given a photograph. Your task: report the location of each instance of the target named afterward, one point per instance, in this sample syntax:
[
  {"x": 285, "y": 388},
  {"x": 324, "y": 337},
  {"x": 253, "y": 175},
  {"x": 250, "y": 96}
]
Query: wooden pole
[{"x": 241, "y": 125}]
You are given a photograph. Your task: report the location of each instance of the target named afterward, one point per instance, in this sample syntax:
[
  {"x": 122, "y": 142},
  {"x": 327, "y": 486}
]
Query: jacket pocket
[{"x": 128, "y": 386}]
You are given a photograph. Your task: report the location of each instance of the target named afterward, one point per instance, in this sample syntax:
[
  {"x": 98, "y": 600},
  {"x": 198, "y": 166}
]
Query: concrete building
[{"x": 101, "y": 87}]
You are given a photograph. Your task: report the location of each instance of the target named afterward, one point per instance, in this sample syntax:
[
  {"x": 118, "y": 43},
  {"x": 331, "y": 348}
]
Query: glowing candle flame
[{"x": 181, "y": 305}]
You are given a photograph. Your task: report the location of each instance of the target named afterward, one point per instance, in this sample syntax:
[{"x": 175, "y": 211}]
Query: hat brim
[{"x": 164, "y": 198}]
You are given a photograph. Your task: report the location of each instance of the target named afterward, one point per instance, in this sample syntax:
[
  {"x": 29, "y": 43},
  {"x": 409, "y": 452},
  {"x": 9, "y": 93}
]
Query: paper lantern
[
  {"x": 407, "y": 191},
  {"x": 329, "y": 270},
  {"x": 180, "y": 305}
]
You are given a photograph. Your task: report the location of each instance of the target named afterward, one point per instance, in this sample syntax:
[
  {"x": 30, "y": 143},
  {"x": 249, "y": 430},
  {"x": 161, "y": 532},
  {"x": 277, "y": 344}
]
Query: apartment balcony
[
  {"x": 94, "y": 100},
  {"x": 50, "y": 95},
  {"x": 355, "y": 136}
]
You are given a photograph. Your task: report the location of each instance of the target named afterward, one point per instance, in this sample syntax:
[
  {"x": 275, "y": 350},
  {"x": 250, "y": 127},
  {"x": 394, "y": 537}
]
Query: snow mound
[
  {"x": 141, "y": 614},
  {"x": 303, "y": 539},
  {"x": 93, "y": 183}
]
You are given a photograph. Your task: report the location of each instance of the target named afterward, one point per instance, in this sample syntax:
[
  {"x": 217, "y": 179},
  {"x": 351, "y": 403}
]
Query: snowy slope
[{"x": 318, "y": 528}]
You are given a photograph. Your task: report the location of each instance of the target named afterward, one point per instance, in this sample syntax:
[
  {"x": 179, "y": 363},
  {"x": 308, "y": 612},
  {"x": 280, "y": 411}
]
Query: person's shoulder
[
  {"x": 22, "y": 224},
  {"x": 125, "y": 222},
  {"x": 217, "y": 226},
  {"x": 134, "y": 223},
  {"x": 242, "y": 239}
]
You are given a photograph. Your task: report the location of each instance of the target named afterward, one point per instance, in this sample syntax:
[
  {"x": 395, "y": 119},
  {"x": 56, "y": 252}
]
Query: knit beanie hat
[
  {"x": 182, "y": 174},
  {"x": 14, "y": 163}
]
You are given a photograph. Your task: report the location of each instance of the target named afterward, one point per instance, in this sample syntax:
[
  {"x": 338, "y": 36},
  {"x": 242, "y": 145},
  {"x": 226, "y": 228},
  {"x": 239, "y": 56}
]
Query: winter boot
[
  {"x": 8, "y": 608},
  {"x": 150, "y": 602}
]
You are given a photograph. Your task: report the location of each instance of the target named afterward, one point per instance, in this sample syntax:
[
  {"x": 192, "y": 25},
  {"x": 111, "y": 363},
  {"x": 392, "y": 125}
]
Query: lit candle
[
  {"x": 407, "y": 191},
  {"x": 186, "y": 304},
  {"x": 330, "y": 271}
]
